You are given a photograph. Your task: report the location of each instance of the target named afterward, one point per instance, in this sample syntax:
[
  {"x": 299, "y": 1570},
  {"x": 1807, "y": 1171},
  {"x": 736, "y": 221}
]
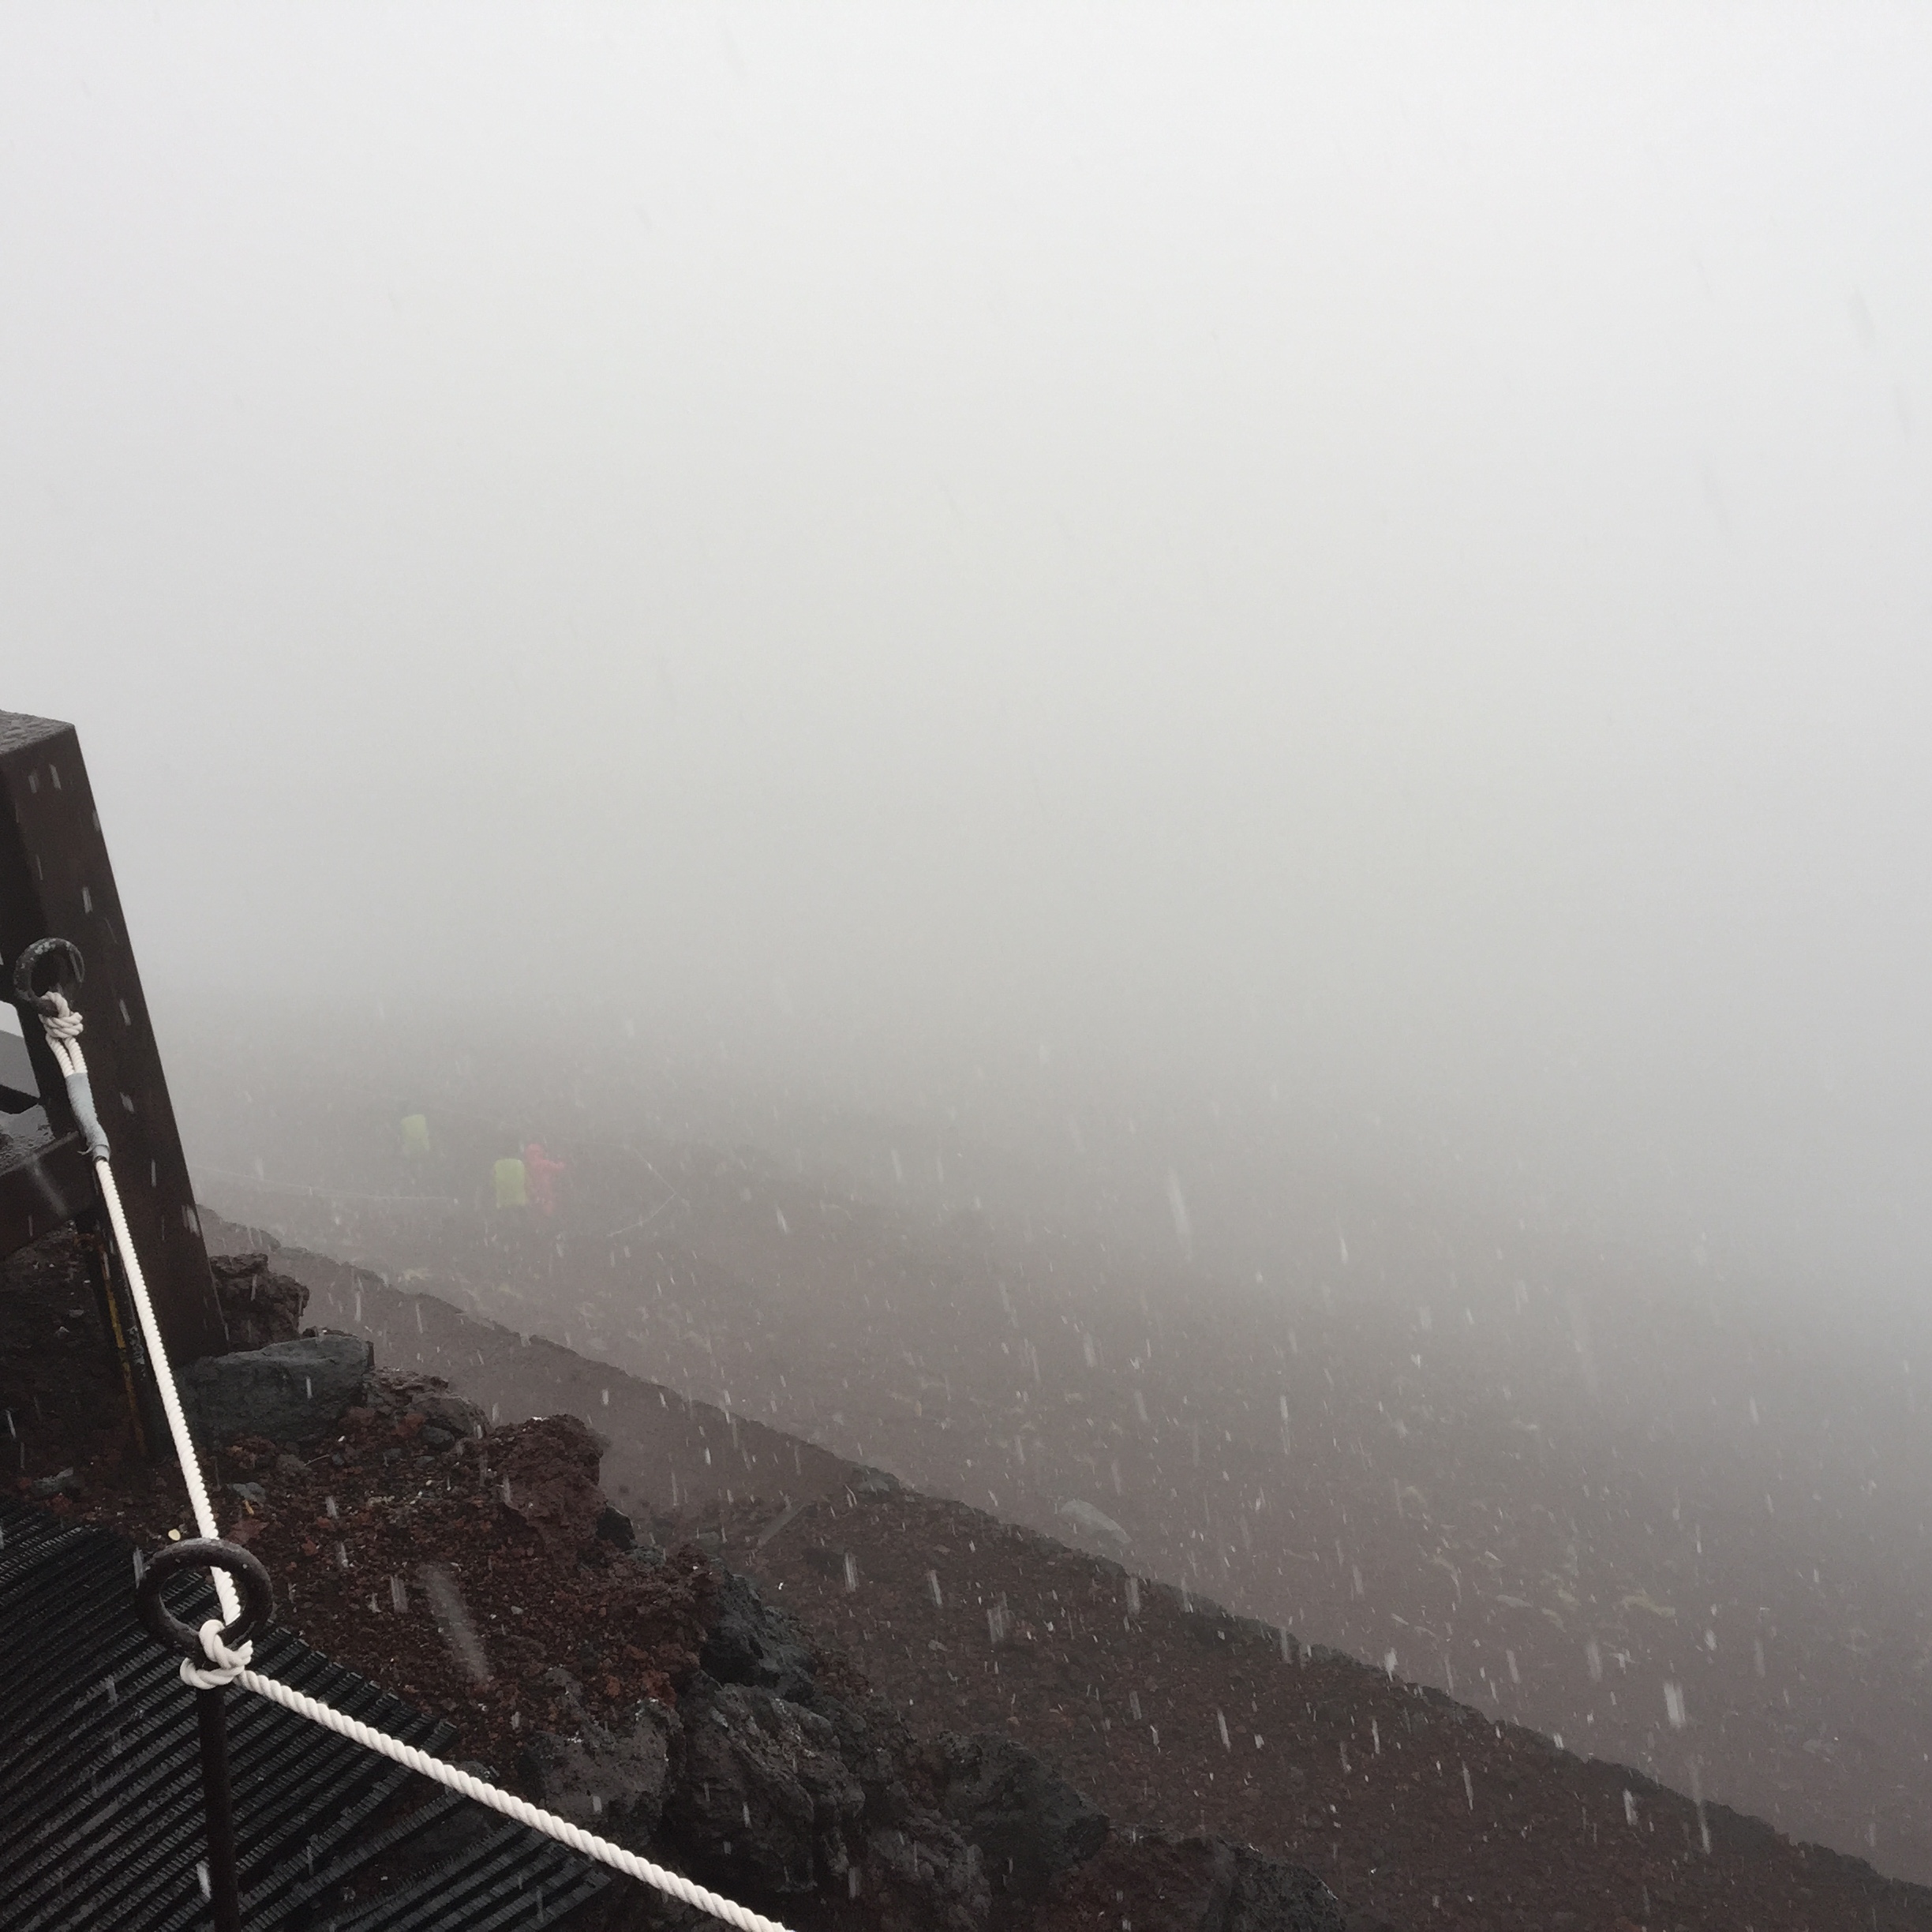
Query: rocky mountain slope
[
  {"x": 1581, "y": 1499},
  {"x": 1020, "y": 1689},
  {"x": 650, "y": 1694}
]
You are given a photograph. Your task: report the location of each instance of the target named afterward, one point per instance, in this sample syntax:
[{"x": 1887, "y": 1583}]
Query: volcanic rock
[
  {"x": 1030, "y": 1824},
  {"x": 762, "y": 1794},
  {"x": 258, "y": 1306},
  {"x": 610, "y": 1779},
  {"x": 548, "y": 1469},
  {"x": 923, "y": 1874},
  {"x": 614, "y": 1527},
  {"x": 393, "y": 1393},
  {"x": 751, "y": 1642},
  {"x": 1190, "y": 1885},
  {"x": 290, "y": 1391}
]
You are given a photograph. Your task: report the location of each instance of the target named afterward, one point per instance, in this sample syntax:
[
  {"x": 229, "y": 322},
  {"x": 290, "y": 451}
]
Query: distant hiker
[
  {"x": 416, "y": 1133},
  {"x": 543, "y": 1173},
  {"x": 510, "y": 1183}
]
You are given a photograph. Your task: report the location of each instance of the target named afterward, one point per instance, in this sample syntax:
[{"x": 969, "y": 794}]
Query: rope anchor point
[{"x": 214, "y": 1655}]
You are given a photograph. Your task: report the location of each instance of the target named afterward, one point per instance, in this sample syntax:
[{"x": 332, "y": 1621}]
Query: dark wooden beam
[
  {"x": 56, "y": 882},
  {"x": 46, "y": 1179}
]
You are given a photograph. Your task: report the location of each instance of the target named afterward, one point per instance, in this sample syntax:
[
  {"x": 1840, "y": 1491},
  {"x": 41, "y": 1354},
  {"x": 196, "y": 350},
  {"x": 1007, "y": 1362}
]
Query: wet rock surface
[
  {"x": 547, "y": 1473},
  {"x": 609, "y": 1778},
  {"x": 393, "y": 1393},
  {"x": 1164, "y": 1883},
  {"x": 258, "y": 1306},
  {"x": 749, "y": 1642},
  {"x": 764, "y": 1796},
  {"x": 289, "y": 1391},
  {"x": 1031, "y": 1825}
]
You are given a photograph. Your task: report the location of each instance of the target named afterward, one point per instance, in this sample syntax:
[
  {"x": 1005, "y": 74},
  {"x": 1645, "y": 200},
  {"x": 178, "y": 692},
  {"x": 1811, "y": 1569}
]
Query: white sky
[{"x": 1388, "y": 545}]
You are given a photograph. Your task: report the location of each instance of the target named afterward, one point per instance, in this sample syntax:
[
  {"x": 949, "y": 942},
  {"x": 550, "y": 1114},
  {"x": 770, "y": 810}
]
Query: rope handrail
[{"x": 223, "y": 1666}]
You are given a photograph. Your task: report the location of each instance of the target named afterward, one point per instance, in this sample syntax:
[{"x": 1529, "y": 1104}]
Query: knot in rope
[
  {"x": 224, "y": 1665},
  {"x": 62, "y": 1026},
  {"x": 60, "y": 1019}
]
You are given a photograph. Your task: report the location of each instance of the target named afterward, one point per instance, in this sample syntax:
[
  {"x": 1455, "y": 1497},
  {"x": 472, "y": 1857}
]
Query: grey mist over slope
[
  {"x": 1129, "y": 573},
  {"x": 1582, "y": 1493}
]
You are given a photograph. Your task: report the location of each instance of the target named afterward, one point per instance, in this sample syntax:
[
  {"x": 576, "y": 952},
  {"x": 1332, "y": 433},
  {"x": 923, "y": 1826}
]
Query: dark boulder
[
  {"x": 750, "y": 1642},
  {"x": 1268, "y": 1895},
  {"x": 395, "y": 1393},
  {"x": 877, "y": 1748},
  {"x": 290, "y": 1391},
  {"x": 762, "y": 1799},
  {"x": 1190, "y": 1885},
  {"x": 440, "y": 1410},
  {"x": 1029, "y": 1823},
  {"x": 258, "y": 1306},
  {"x": 894, "y": 1864},
  {"x": 609, "y": 1779},
  {"x": 548, "y": 1470},
  {"x": 920, "y": 1876},
  {"x": 613, "y": 1526}
]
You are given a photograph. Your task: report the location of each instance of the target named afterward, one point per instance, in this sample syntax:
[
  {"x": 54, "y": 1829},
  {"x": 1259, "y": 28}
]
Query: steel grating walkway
[{"x": 100, "y": 1777}]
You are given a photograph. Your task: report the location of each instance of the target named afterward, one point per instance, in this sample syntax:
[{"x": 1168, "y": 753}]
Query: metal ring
[
  {"x": 24, "y": 968},
  {"x": 204, "y": 1553}
]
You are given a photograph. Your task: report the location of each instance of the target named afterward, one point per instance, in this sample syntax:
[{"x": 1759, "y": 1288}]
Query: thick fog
[{"x": 1341, "y": 578}]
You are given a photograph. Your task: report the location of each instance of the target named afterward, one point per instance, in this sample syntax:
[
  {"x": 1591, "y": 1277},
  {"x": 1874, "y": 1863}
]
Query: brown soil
[
  {"x": 355, "y": 1534},
  {"x": 558, "y": 1635}
]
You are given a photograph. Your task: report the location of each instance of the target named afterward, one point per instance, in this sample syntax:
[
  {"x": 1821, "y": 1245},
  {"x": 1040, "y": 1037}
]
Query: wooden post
[{"x": 56, "y": 882}]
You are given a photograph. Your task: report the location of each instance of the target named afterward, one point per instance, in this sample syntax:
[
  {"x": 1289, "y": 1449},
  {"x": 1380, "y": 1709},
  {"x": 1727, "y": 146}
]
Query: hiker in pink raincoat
[{"x": 543, "y": 1172}]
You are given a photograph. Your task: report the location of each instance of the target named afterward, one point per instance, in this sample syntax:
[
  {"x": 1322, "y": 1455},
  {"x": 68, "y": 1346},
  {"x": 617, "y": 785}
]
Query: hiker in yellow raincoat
[{"x": 511, "y": 1189}]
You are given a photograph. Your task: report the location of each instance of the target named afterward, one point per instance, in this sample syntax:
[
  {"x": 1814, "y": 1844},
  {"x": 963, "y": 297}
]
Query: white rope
[
  {"x": 224, "y": 1666},
  {"x": 673, "y": 1884},
  {"x": 62, "y": 1025},
  {"x": 59, "y": 1021}
]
